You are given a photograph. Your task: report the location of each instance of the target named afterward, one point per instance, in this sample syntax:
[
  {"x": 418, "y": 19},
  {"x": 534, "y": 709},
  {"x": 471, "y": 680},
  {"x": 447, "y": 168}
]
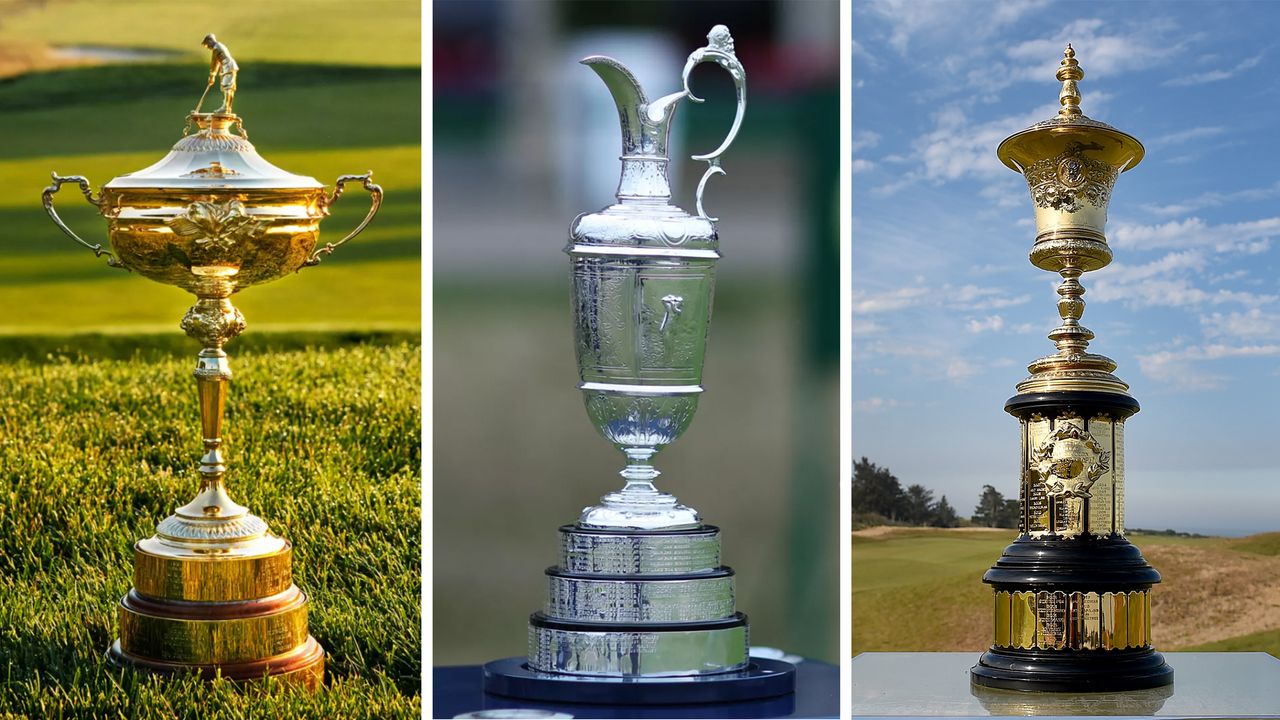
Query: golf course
[
  {"x": 99, "y": 431},
  {"x": 921, "y": 589}
]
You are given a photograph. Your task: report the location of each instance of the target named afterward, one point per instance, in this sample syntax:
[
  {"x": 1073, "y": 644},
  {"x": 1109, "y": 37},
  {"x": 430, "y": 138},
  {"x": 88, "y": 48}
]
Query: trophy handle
[
  {"x": 375, "y": 202},
  {"x": 720, "y": 51},
  {"x": 47, "y": 198}
]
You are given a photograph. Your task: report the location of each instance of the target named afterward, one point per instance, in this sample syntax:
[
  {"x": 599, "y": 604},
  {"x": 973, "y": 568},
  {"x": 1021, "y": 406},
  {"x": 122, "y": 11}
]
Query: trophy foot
[
  {"x": 303, "y": 667},
  {"x": 1071, "y": 671},
  {"x": 760, "y": 679},
  {"x": 217, "y": 609}
]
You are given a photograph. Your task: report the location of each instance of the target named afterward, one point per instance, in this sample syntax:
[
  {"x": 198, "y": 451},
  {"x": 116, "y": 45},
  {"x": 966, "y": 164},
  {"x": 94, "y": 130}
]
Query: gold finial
[{"x": 1069, "y": 73}]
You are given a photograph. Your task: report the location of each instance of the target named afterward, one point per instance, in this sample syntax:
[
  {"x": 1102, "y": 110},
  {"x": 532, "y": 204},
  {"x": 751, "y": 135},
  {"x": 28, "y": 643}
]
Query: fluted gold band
[{"x": 1057, "y": 620}]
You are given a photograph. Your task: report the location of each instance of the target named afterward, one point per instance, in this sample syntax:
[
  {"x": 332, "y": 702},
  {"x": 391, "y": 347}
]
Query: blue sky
[{"x": 947, "y": 310}]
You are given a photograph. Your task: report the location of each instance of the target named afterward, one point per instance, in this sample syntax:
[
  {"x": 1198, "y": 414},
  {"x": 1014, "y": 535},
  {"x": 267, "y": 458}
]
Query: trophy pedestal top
[{"x": 1217, "y": 684}]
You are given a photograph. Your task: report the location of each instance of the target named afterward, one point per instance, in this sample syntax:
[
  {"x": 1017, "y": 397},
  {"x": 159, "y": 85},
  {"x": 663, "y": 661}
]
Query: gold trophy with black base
[
  {"x": 213, "y": 588},
  {"x": 1072, "y": 596}
]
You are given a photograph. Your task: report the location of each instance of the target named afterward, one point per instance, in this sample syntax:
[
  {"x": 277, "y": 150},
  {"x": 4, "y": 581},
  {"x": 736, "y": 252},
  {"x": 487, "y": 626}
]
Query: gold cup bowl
[{"x": 213, "y": 588}]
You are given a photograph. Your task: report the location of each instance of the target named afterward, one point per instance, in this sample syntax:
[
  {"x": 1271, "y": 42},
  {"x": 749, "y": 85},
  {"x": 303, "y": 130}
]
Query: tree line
[{"x": 876, "y": 492}]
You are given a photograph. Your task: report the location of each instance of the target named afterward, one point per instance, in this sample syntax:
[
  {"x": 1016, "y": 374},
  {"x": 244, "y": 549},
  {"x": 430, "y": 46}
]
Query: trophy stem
[
  {"x": 213, "y": 322},
  {"x": 213, "y": 589},
  {"x": 639, "y": 472}
]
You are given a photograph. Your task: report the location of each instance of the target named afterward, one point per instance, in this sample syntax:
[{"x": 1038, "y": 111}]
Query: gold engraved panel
[
  {"x": 1089, "y": 615},
  {"x": 1101, "y": 494},
  {"x": 1003, "y": 607},
  {"x": 1070, "y": 517},
  {"x": 1035, "y": 501},
  {"x": 1137, "y": 619},
  {"x": 1023, "y": 479},
  {"x": 1118, "y": 470},
  {"x": 1120, "y": 610},
  {"x": 1051, "y": 620},
  {"x": 1068, "y": 512},
  {"x": 1022, "y": 633},
  {"x": 1146, "y": 614}
]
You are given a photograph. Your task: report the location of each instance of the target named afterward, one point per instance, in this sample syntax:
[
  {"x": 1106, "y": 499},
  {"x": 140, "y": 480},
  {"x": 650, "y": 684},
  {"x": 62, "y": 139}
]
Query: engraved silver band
[
  {"x": 633, "y": 653},
  {"x": 628, "y": 389},
  {"x": 577, "y": 599},
  {"x": 634, "y": 251},
  {"x": 631, "y": 554}
]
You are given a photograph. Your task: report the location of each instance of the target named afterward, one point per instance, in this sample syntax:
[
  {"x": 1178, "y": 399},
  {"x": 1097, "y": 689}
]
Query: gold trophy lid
[
  {"x": 214, "y": 158},
  {"x": 1047, "y": 138}
]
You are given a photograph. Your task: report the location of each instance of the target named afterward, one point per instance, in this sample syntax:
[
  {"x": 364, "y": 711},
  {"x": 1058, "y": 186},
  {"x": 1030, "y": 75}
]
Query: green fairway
[
  {"x": 921, "y": 588},
  {"x": 1267, "y": 641},
  {"x": 323, "y": 444},
  {"x": 367, "y": 32}
]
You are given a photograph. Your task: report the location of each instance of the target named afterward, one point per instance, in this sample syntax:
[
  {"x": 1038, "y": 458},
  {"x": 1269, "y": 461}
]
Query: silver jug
[{"x": 643, "y": 279}]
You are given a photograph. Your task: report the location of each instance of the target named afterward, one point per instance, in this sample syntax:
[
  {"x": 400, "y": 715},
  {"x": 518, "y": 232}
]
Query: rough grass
[
  {"x": 323, "y": 444},
  {"x": 921, "y": 589}
]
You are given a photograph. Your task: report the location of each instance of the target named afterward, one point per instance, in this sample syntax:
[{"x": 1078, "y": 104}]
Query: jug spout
[
  {"x": 646, "y": 124},
  {"x": 646, "y": 127}
]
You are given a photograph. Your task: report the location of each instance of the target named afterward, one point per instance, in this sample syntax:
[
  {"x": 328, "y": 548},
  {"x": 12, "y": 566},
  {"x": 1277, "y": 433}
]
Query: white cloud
[
  {"x": 958, "y": 369},
  {"x": 973, "y": 297},
  {"x": 1216, "y": 199},
  {"x": 1250, "y": 237},
  {"x": 934, "y": 22},
  {"x": 1213, "y": 75},
  {"x": 865, "y": 140},
  {"x": 1252, "y": 324},
  {"x": 866, "y": 303},
  {"x": 991, "y": 323},
  {"x": 1185, "y": 136},
  {"x": 1181, "y": 367},
  {"x": 873, "y": 404},
  {"x": 862, "y": 327},
  {"x": 859, "y": 166},
  {"x": 1101, "y": 47},
  {"x": 1165, "y": 282}
]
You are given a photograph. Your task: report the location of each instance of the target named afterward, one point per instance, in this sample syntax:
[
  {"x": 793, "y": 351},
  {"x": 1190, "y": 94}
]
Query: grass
[
  {"x": 323, "y": 444},
  {"x": 1267, "y": 641},
  {"x": 921, "y": 589}
]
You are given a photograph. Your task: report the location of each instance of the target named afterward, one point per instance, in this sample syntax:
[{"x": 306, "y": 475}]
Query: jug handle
[
  {"x": 47, "y": 198},
  {"x": 375, "y": 202},
  {"x": 720, "y": 51}
]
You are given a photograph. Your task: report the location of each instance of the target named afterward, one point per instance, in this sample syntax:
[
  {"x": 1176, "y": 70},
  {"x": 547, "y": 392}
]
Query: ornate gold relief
[
  {"x": 1064, "y": 181},
  {"x": 215, "y": 229},
  {"x": 1069, "y": 462}
]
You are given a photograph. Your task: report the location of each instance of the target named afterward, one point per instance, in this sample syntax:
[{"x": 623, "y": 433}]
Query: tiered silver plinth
[{"x": 638, "y": 604}]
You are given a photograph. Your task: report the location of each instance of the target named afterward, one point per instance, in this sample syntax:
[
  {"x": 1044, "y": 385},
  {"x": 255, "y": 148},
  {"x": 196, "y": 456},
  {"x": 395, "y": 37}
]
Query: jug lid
[{"x": 214, "y": 158}]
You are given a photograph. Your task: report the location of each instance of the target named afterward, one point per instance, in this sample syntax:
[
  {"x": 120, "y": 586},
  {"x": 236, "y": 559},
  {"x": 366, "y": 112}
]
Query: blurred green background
[
  {"x": 99, "y": 430},
  {"x": 514, "y": 453}
]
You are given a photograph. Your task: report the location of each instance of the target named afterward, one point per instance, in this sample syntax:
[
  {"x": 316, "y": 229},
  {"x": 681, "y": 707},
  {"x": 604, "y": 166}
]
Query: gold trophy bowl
[{"x": 213, "y": 588}]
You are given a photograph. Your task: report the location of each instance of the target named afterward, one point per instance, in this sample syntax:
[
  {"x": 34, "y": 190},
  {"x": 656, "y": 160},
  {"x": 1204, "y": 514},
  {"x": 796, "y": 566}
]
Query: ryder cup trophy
[
  {"x": 213, "y": 590},
  {"x": 639, "y": 608},
  {"x": 1072, "y": 595}
]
